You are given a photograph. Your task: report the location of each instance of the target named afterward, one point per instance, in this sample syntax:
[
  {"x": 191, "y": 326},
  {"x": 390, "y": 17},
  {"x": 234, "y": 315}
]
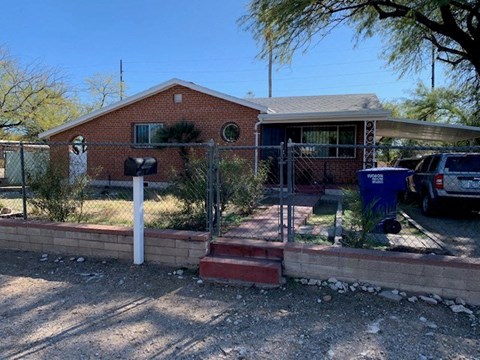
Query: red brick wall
[{"x": 207, "y": 112}]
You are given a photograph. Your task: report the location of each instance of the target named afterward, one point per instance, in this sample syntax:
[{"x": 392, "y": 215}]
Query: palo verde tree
[{"x": 409, "y": 28}]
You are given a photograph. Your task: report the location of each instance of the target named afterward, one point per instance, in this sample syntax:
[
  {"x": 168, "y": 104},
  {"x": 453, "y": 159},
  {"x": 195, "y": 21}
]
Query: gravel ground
[{"x": 112, "y": 310}]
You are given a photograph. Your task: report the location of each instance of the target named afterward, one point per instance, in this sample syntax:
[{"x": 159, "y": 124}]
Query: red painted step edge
[{"x": 256, "y": 271}]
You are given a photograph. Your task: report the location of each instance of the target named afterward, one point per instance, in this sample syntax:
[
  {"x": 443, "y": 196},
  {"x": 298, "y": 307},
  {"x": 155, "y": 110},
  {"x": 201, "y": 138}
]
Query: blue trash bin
[{"x": 379, "y": 188}]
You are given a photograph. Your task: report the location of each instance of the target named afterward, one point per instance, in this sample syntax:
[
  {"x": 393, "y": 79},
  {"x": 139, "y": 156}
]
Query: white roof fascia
[
  {"x": 441, "y": 125},
  {"x": 360, "y": 115},
  {"x": 144, "y": 94}
]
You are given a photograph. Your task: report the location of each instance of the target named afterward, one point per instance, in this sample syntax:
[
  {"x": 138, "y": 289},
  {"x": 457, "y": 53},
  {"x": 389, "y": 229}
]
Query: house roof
[
  {"x": 320, "y": 104},
  {"x": 147, "y": 93}
]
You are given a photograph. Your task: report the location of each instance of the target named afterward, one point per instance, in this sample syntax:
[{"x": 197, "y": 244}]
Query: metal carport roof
[{"x": 423, "y": 130}]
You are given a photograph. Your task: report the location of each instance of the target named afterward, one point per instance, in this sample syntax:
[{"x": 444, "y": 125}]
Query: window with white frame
[
  {"x": 145, "y": 134},
  {"x": 334, "y": 135}
]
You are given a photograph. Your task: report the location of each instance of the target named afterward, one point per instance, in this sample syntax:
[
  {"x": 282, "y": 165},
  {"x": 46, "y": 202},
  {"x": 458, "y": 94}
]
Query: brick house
[{"x": 331, "y": 120}]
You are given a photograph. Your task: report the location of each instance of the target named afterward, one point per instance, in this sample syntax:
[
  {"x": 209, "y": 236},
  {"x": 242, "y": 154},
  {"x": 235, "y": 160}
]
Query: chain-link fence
[
  {"x": 85, "y": 183},
  {"x": 432, "y": 207},
  {"x": 250, "y": 194},
  {"x": 301, "y": 192}
]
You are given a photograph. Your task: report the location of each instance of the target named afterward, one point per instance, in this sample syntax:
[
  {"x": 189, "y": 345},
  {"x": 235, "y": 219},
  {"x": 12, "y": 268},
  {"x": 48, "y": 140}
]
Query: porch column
[{"x": 369, "y": 153}]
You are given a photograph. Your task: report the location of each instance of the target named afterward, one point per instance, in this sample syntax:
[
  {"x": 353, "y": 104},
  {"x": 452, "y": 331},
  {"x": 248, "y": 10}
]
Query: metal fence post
[
  {"x": 218, "y": 190},
  {"x": 281, "y": 163},
  {"x": 24, "y": 191},
  {"x": 210, "y": 155},
  {"x": 289, "y": 190}
]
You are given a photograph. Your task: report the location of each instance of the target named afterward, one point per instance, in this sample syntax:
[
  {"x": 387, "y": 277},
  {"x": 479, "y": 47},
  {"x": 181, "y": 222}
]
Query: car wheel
[{"x": 427, "y": 205}]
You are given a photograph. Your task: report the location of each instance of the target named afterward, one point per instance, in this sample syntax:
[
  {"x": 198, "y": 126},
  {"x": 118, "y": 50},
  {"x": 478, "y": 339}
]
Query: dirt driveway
[{"x": 95, "y": 310}]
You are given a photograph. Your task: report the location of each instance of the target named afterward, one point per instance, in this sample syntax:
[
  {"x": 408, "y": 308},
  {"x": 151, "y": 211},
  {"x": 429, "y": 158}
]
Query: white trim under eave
[
  {"x": 324, "y": 116},
  {"x": 147, "y": 93}
]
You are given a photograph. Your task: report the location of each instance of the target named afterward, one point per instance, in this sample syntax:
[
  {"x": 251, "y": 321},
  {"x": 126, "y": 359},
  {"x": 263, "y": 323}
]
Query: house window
[
  {"x": 230, "y": 132},
  {"x": 147, "y": 133},
  {"x": 333, "y": 135}
]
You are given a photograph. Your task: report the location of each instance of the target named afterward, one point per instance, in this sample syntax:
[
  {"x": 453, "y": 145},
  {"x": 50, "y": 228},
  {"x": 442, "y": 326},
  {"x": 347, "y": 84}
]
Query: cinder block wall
[
  {"x": 166, "y": 247},
  {"x": 449, "y": 277}
]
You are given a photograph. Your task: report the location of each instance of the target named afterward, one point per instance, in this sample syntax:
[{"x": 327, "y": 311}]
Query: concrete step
[
  {"x": 257, "y": 249},
  {"x": 260, "y": 272}
]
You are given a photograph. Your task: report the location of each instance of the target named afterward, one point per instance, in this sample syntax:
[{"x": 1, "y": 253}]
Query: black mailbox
[{"x": 140, "y": 166}]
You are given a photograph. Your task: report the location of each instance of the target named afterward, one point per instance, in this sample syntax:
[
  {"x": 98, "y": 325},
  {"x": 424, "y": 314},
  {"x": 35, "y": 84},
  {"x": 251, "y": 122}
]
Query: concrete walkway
[{"x": 266, "y": 224}]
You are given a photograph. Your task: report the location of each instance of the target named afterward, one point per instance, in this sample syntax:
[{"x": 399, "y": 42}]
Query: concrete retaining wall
[
  {"x": 166, "y": 247},
  {"x": 449, "y": 277}
]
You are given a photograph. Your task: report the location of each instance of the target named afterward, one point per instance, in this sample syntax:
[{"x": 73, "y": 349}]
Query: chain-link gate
[{"x": 250, "y": 194}]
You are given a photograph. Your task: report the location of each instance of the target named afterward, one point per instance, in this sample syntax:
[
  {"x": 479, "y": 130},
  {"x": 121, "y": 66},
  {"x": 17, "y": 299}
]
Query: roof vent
[{"x": 177, "y": 98}]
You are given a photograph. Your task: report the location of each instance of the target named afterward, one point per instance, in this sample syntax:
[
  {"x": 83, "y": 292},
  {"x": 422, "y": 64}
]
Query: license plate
[{"x": 471, "y": 184}]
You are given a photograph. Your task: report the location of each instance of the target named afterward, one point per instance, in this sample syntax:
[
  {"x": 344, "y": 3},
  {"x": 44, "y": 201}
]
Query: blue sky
[{"x": 194, "y": 40}]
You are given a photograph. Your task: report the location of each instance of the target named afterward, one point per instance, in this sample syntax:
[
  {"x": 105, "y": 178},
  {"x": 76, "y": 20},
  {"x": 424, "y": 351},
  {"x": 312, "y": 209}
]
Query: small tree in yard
[
  {"x": 56, "y": 196},
  {"x": 239, "y": 188}
]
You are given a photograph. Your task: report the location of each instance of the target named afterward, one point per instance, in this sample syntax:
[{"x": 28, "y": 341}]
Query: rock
[
  {"x": 437, "y": 297},
  {"x": 104, "y": 262},
  {"x": 374, "y": 328},
  {"x": 179, "y": 272},
  {"x": 352, "y": 288},
  {"x": 364, "y": 288},
  {"x": 429, "y": 300},
  {"x": 199, "y": 281},
  {"x": 412, "y": 299},
  {"x": 355, "y": 284},
  {"x": 44, "y": 255},
  {"x": 422, "y": 319},
  {"x": 319, "y": 301},
  {"x": 327, "y": 298},
  {"x": 460, "y": 301},
  {"x": 238, "y": 297},
  {"x": 461, "y": 309},
  {"x": 339, "y": 285},
  {"x": 332, "y": 280},
  {"x": 378, "y": 288},
  {"x": 333, "y": 287},
  {"x": 121, "y": 282},
  {"x": 395, "y": 291},
  {"x": 81, "y": 260},
  {"x": 390, "y": 295},
  {"x": 403, "y": 293},
  {"x": 72, "y": 258},
  {"x": 330, "y": 353},
  {"x": 44, "y": 259},
  {"x": 449, "y": 302},
  {"x": 304, "y": 281},
  {"x": 341, "y": 291},
  {"x": 324, "y": 283},
  {"x": 312, "y": 282},
  {"x": 370, "y": 289}
]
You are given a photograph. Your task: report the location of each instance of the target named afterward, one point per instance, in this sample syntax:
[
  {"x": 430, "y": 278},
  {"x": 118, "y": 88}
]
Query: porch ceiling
[{"x": 422, "y": 130}]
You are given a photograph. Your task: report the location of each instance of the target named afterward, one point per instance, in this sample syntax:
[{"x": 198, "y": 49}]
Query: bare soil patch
[{"x": 112, "y": 310}]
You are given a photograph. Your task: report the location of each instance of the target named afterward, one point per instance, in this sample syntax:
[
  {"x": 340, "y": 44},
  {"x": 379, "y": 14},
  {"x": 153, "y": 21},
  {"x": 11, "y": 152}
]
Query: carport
[{"x": 426, "y": 131}]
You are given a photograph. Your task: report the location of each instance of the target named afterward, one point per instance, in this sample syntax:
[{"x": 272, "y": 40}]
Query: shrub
[
  {"x": 239, "y": 187},
  {"x": 56, "y": 196},
  {"x": 359, "y": 220}
]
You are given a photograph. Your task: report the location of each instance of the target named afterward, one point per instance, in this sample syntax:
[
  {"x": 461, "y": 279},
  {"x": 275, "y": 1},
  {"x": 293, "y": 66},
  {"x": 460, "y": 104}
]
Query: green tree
[
  {"x": 33, "y": 98},
  {"x": 183, "y": 132},
  {"x": 410, "y": 29}
]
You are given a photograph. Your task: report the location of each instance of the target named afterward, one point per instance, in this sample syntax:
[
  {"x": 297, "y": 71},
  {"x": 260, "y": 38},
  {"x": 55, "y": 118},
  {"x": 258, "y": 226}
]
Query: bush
[
  {"x": 359, "y": 220},
  {"x": 239, "y": 188},
  {"x": 56, "y": 196}
]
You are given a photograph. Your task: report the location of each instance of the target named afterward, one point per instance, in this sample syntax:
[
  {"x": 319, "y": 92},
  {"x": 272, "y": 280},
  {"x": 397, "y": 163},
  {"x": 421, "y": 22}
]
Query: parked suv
[{"x": 451, "y": 178}]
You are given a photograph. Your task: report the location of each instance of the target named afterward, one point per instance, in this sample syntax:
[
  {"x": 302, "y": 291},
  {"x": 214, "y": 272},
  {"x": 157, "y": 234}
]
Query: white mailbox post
[{"x": 138, "y": 167}]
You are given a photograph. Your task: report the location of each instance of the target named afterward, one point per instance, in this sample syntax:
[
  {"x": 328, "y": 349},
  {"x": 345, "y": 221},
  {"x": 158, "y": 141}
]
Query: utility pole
[{"x": 121, "y": 80}]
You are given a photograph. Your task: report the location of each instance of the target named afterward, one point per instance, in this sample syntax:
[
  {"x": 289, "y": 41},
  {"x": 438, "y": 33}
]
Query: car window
[
  {"x": 434, "y": 163},
  {"x": 467, "y": 163},
  {"x": 424, "y": 164}
]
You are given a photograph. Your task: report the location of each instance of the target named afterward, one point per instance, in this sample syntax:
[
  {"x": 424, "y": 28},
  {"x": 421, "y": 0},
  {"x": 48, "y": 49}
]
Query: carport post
[{"x": 138, "y": 226}]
